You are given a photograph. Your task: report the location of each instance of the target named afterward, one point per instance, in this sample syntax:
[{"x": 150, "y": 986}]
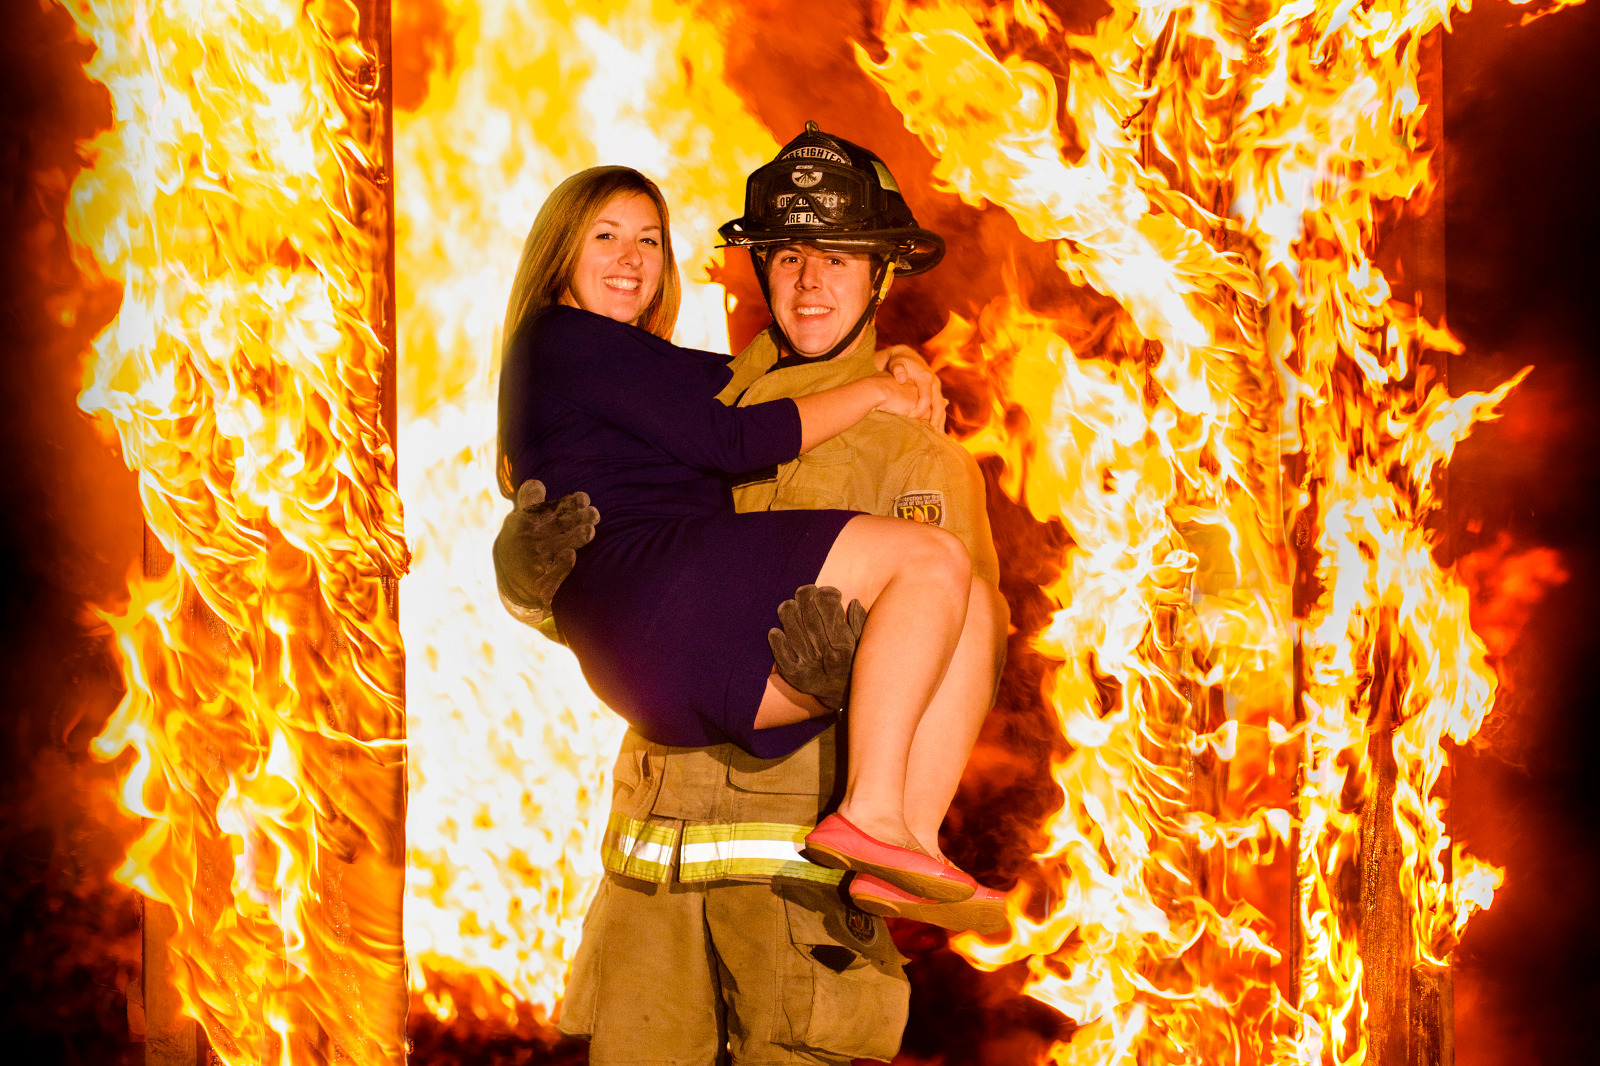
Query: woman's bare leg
[
  {"x": 915, "y": 582},
  {"x": 950, "y": 726},
  {"x": 904, "y": 575}
]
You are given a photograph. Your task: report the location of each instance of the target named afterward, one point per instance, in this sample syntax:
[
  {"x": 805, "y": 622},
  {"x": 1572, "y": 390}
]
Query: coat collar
[{"x": 814, "y": 376}]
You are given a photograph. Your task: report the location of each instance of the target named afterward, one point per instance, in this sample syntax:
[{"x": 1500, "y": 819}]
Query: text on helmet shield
[{"x": 829, "y": 200}]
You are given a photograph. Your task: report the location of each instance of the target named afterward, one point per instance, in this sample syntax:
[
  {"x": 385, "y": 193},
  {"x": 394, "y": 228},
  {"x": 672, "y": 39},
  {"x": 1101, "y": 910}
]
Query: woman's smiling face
[{"x": 619, "y": 266}]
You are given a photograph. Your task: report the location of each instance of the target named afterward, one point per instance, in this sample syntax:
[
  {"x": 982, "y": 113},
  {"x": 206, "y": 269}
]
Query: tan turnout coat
[
  {"x": 721, "y": 795},
  {"x": 695, "y": 833}
]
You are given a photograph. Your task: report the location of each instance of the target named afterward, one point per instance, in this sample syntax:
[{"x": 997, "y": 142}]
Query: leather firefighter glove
[
  {"x": 537, "y": 545},
  {"x": 817, "y": 644}
]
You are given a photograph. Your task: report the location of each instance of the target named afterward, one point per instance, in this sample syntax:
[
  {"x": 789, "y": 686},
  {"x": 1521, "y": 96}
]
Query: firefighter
[{"x": 712, "y": 939}]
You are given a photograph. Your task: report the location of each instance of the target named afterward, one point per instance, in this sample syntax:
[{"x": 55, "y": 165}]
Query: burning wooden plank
[{"x": 242, "y": 201}]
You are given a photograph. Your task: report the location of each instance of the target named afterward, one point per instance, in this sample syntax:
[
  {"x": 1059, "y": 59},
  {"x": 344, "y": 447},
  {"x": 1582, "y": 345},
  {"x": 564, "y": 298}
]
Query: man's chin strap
[{"x": 880, "y": 286}]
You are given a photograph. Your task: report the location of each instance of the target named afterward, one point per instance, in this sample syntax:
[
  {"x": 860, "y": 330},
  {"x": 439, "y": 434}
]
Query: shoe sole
[
  {"x": 928, "y": 886},
  {"x": 964, "y": 916}
]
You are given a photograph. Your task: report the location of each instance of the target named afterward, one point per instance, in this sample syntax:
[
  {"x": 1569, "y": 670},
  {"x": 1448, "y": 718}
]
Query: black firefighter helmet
[{"x": 824, "y": 190}]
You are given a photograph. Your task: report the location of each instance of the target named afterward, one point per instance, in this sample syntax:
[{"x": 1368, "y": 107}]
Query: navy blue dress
[{"x": 668, "y": 607}]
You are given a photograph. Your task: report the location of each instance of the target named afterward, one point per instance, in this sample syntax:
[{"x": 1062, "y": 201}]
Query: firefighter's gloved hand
[
  {"x": 537, "y": 545},
  {"x": 817, "y": 644}
]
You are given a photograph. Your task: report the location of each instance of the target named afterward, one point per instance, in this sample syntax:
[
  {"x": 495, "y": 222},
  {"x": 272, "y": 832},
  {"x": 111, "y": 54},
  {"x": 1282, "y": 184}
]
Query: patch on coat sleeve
[{"x": 920, "y": 505}]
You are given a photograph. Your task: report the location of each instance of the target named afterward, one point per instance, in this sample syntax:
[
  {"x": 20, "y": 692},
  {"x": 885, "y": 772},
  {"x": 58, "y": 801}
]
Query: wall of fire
[{"x": 1213, "y": 431}]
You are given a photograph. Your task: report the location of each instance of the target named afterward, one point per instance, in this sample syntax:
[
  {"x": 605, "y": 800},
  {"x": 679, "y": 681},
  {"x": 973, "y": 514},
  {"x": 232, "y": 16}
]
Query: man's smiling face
[{"x": 817, "y": 294}]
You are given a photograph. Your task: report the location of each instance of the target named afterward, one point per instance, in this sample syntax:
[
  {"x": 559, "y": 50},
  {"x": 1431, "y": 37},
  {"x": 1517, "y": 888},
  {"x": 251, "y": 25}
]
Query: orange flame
[
  {"x": 1549, "y": 8},
  {"x": 235, "y": 201},
  {"x": 1243, "y": 447},
  {"x": 1219, "y": 175},
  {"x": 1506, "y": 585}
]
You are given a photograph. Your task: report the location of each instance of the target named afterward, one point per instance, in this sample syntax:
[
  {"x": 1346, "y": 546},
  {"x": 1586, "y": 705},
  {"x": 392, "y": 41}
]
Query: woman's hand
[
  {"x": 908, "y": 366},
  {"x": 900, "y": 397},
  {"x": 830, "y": 412}
]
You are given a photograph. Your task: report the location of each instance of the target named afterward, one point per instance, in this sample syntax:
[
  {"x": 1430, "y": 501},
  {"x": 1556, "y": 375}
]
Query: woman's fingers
[
  {"x": 908, "y": 366},
  {"x": 901, "y": 398},
  {"x": 909, "y": 369},
  {"x": 916, "y": 400}
]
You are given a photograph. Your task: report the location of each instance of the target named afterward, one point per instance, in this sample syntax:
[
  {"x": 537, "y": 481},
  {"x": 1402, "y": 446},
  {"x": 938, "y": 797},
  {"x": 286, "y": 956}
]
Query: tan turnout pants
[{"x": 724, "y": 972}]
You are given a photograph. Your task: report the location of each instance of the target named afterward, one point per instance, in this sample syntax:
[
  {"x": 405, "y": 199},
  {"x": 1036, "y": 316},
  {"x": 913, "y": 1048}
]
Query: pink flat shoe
[
  {"x": 982, "y": 912},
  {"x": 839, "y": 844}
]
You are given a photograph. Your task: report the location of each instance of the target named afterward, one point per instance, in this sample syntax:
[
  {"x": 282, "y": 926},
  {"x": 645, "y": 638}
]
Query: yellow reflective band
[
  {"x": 638, "y": 849},
  {"x": 749, "y": 849}
]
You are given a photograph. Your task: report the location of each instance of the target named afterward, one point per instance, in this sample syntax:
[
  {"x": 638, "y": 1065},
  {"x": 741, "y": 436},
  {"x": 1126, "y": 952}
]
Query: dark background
[
  {"x": 1523, "y": 233},
  {"x": 1522, "y": 115}
]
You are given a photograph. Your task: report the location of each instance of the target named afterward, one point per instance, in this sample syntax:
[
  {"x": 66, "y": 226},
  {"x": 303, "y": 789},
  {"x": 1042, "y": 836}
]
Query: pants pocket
[{"x": 842, "y": 989}]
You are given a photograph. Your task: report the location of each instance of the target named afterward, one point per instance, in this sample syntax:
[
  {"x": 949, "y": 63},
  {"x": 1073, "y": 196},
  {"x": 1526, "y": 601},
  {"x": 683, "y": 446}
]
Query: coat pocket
[
  {"x": 843, "y": 989},
  {"x": 635, "y": 778},
  {"x": 809, "y": 770}
]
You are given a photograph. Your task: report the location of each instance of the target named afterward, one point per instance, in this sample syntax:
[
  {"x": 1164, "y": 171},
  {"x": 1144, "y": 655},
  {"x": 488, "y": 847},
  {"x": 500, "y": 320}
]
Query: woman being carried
[{"x": 594, "y": 397}]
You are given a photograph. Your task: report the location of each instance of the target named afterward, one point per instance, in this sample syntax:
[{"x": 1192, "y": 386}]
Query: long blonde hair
[{"x": 550, "y": 258}]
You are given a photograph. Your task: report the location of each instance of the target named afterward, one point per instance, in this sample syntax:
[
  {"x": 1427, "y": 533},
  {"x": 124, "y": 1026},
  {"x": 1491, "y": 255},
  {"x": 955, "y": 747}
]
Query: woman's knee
[
  {"x": 874, "y": 550},
  {"x": 937, "y": 555}
]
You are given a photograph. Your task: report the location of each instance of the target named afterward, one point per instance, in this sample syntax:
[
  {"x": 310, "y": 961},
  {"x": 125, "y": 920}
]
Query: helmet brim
[{"x": 914, "y": 249}]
